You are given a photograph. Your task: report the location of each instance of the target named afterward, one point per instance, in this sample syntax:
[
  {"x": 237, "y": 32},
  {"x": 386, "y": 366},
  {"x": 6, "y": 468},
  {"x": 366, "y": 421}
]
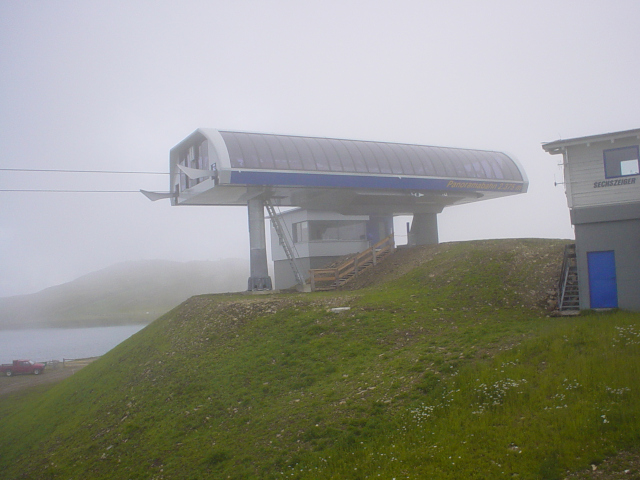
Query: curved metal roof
[
  {"x": 285, "y": 152},
  {"x": 220, "y": 167}
]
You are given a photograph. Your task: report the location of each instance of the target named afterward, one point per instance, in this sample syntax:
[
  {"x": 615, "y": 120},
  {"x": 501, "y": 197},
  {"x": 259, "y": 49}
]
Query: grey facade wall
[
  {"x": 585, "y": 176},
  {"x": 283, "y": 274},
  {"x": 623, "y": 237}
]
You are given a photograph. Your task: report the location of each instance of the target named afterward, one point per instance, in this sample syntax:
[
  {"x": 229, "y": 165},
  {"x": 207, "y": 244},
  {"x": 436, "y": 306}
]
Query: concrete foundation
[
  {"x": 259, "y": 271},
  {"x": 424, "y": 229}
]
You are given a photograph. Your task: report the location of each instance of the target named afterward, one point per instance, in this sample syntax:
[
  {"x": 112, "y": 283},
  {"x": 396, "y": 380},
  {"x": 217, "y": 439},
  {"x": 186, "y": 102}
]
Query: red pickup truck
[{"x": 21, "y": 366}]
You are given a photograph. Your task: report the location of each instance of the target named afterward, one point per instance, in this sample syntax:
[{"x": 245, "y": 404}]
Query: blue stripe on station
[{"x": 359, "y": 181}]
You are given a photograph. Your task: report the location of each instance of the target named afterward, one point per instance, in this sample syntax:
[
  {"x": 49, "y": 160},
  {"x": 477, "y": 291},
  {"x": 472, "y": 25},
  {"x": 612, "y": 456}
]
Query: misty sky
[{"x": 114, "y": 85}]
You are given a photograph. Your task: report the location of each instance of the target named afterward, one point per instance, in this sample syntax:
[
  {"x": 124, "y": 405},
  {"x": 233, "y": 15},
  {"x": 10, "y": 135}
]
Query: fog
[{"x": 114, "y": 85}]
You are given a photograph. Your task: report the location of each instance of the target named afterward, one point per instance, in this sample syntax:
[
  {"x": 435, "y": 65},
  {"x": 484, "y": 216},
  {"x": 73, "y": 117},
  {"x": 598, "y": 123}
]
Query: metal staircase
[
  {"x": 284, "y": 241},
  {"x": 568, "y": 291}
]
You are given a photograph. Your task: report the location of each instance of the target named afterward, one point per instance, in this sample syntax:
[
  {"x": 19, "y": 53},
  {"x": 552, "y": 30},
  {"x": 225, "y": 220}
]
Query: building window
[
  {"x": 621, "y": 162},
  {"x": 328, "y": 230},
  {"x": 300, "y": 232}
]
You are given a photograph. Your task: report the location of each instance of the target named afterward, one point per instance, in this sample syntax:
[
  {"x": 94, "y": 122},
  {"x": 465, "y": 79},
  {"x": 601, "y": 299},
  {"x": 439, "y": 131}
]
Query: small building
[
  {"x": 320, "y": 238},
  {"x": 602, "y": 183}
]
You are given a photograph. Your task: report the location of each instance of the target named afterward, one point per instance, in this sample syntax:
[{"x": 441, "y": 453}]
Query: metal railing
[
  {"x": 284, "y": 241},
  {"x": 568, "y": 267},
  {"x": 331, "y": 278}
]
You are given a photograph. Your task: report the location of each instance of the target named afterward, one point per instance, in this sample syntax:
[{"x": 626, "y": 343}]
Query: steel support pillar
[
  {"x": 259, "y": 279},
  {"x": 424, "y": 229}
]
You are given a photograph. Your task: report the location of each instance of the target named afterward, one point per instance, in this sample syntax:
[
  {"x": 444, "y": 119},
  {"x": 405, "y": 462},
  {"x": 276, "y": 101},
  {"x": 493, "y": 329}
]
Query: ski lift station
[
  {"x": 602, "y": 183},
  {"x": 344, "y": 193}
]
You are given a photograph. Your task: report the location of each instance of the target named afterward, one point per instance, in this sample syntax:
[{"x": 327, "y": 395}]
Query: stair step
[{"x": 569, "y": 290}]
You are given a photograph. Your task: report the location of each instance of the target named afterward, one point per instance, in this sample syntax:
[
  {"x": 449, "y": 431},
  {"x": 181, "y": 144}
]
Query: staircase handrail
[
  {"x": 351, "y": 264},
  {"x": 564, "y": 275}
]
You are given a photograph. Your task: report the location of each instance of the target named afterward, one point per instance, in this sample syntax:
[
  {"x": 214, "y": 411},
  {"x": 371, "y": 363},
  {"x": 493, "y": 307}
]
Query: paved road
[{"x": 49, "y": 376}]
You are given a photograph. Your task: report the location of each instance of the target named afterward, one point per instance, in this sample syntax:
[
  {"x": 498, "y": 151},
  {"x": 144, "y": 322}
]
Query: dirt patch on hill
[{"x": 625, "y": 465}]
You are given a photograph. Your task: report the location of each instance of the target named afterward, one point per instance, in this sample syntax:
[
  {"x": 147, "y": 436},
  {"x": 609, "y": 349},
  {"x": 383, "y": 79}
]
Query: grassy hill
[
  {"x": 446, "y": 366},
  {"x": 125, "y": 293}
]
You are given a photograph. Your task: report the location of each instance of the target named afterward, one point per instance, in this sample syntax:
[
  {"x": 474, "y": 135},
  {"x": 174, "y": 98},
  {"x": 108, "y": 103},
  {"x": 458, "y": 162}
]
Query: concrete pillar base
[
  {"x": 259, "y": 279},
  {"x": 259, "y": 283},
  {"x": 424, "y": 229}
]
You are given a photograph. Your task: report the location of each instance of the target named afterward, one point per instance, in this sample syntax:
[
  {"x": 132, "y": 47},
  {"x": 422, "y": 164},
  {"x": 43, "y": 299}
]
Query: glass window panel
[
  {"x": 384, "y": 162},
  {"x": 322, "y": 163},
  {"x": 458, "y": 159},
  {"x": 304, "y": 153},
  {"x": 437, "y": 159},
  {"x": 336, "y": 230},
  {"x": 369, "y": 157},
  {"x": 492, "y": 166},
  {"x": 300, "y": 232},
  {"x": 422, "y": 165},
  {"x": 254, "y": 150},
  {"x": 464, "y": 158},
  {"x": 500, "y": 170},
  {"x": 359, "y": 160},
  {"x": 620, "y": 162},
  {"x": 236, "y": 157},
  {"x": 629, "y": 167},
  {"x": 343, "y": 154},
  {"x": 406, "y": 161},
  {"x": 203, "y": 155},
  {"x": 371, "y": 154},
  {"x": 184, "y": 180},
  {"x": 506, "y": 166},
  {"x": 279, "y": 154},
  {"x": 472, "y": 166},
  {"x": 480, "y": 164},
  {"x": 489, "y": 172},
  {"x": 260, "y": 151},
  {"x": 352, "y": 231},
  {"x": 392, "y": 165},
  {"x": 291, "y": 153}
]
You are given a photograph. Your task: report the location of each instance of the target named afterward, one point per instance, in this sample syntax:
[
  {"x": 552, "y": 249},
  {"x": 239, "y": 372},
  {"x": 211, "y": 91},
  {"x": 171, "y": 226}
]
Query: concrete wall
[
  {"x": 283, "y": 274},
  {"x": 623, "y": 237}
]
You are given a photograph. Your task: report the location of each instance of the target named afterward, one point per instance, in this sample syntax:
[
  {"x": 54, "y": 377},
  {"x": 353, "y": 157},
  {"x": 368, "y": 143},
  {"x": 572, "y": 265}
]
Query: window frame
[{"x": 619, "y": 162}]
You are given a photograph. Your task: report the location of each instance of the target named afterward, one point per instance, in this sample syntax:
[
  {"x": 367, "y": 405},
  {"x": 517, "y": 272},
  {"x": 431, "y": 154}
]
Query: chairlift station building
[
  {"x": 338, "y": 182},
  {"x": 602, "y": 182}
]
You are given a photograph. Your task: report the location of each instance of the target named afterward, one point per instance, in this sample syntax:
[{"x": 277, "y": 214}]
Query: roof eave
[{"x": 558, "y": 146}]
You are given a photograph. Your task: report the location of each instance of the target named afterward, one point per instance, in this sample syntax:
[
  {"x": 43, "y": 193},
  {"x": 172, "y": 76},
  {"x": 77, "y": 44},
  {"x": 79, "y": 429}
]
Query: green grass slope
[{"x": 445, "y": 367}]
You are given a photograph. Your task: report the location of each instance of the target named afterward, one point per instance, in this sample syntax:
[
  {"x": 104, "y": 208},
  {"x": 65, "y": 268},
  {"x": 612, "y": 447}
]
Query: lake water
[{"x": 45, "y": 344}]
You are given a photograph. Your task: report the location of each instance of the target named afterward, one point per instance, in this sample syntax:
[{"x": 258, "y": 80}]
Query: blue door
[{"x": 603, "y": 287}]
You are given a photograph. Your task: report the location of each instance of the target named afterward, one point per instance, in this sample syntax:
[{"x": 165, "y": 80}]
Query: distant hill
[{"x": 125, "y": 293}]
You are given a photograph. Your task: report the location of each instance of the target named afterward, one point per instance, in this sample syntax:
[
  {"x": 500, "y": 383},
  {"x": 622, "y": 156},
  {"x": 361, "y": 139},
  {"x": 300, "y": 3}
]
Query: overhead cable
[
  {"x": 67, "y": 191},
  {"x": 79, "y": 171}
]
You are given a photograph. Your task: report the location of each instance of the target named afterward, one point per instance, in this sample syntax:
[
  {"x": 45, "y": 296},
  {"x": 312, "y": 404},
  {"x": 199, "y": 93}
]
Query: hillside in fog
[
  {"x": 131, "y": 292},
  {"x": 446, "y": 365}
]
